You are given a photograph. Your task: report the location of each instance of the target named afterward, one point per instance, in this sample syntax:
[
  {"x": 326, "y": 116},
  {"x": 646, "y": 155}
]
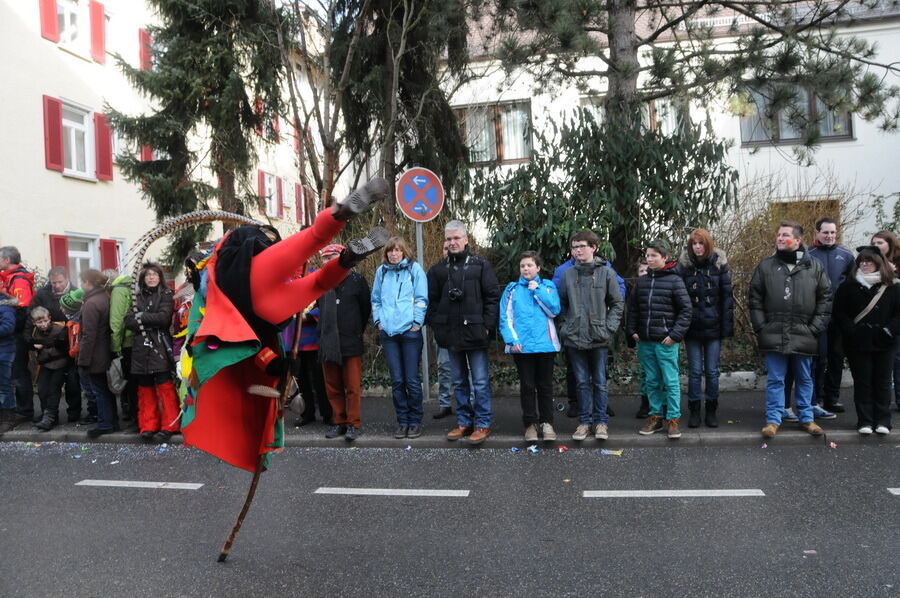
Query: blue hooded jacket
[
  {"x": 8, "y": 324},
  {"x": 399, "y": 297},
  {"x": 526, "y": 317}
]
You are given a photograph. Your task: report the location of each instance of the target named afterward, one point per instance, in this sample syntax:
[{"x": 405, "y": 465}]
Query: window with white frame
[
  {"x": 78, "y": 145},
  {"x": 759, "y": 127},
  {"x": 73, "y": 23},
  {"x": 497, "y": 132},
  {"x": 82, "y": 255},
  {"x": 271, "y": 196}
]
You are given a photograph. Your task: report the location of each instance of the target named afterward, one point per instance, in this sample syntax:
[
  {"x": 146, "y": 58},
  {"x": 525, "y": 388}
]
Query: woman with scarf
[
  {"x": 152, "y": 363},
  {"x": 343, "y": 312},
  {"x": 399, "y": 301},
  {"x": 704, "y": 269},
  {"x": 867, "y": 312}
]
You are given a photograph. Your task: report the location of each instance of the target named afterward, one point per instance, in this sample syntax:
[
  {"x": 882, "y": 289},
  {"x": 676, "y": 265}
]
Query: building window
[
  {"x": 77, "y": 146},
  {"x": 500, "y": 132},
  {"x": 69, "y": 21},
  {"x": 82, "y": 255},
  {"x": 271, "y": 196},
  {"x": 664, "y": 115},
  {"x": 759, "y": 127}
]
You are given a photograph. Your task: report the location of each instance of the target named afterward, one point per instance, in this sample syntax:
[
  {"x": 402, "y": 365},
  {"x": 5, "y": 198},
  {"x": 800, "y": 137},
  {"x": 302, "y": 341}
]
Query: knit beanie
[{"x": 71, "y": 301}]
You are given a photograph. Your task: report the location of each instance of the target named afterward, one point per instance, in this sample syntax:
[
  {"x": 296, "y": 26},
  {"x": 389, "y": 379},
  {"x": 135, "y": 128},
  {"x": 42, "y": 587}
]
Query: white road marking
[
  {"x": 894, "y": 491},
  {"x": 671, "y": 493},
  {"x": 135, "y": 484},
  {"x": 393, "y": 492}
]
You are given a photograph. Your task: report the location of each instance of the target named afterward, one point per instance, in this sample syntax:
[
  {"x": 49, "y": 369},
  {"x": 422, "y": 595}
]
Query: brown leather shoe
[
  {"x": 674, "y": 431},
  {"x": 654, "y": 424},
  {"x": 479, "y": 435},
  {"x": 770, "y": 430},
  {"x": 812, "y": 428},
  {"x": 458, "y": 432}
]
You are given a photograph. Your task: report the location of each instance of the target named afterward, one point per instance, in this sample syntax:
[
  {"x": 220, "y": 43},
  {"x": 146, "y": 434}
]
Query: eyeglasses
[{"x": 585, "y": 246}]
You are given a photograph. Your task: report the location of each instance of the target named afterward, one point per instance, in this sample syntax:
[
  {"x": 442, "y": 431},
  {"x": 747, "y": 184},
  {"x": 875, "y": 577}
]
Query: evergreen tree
[
  {"x": 214, "y": 81},
  {"x": 628, "y": 53}
]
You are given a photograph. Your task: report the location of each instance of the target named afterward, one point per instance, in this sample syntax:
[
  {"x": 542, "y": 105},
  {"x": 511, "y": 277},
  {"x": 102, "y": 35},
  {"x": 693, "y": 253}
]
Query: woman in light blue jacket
[
  {"x": 527, "y": 309},
  {"x": 399, "y": 301}
]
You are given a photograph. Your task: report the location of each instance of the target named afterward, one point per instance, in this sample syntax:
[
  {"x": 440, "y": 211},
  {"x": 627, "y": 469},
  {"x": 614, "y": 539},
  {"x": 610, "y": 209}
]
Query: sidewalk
[{"x": 740, "y": 419}]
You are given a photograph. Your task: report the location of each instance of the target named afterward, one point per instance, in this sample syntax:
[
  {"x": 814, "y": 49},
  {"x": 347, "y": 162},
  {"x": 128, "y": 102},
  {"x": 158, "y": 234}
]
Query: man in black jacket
[
  {"x": 463, "y": 296},
  {"x": 48, "y": 297},
  {"x": 789, "y": 306}
]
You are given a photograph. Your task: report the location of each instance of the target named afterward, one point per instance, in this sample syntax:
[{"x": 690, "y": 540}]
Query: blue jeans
[
  {"x": 777, "y": 365},
  {"x": 445, "y": 378},
  {"x": 703, "y": 361},
  {"x": 107, "y": 417},
  {"x": 88, "y": 389},
  {"x": 589, "y": 369},
  {"x": 473, "y": 406},
  {"x": 7, "y": 396},
  {"x": 403, "y": 353}
]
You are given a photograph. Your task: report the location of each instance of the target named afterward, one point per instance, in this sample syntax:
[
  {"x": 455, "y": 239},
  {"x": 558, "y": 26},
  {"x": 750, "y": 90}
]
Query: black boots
[
  {"x": 644, "y": 410},
  {"x": 48, "y": 421},
  {"x": 7, "y": 417},
  {"x": 711, "y": 420},
  {"x": 357, "y": 249},
  {"x": 694, "y": 418}
]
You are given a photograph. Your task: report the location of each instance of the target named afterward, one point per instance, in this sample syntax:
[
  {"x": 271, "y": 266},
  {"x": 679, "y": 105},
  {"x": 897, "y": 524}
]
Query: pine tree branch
[{"x": 671, "y": 24}]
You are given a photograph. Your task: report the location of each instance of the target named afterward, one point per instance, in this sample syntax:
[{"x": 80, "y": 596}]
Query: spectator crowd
[{"x": 110, "y": 350}]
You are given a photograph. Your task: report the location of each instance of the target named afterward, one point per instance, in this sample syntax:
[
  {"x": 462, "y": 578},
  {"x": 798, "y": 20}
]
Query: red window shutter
[
  {"x": 59, "y": 251},
  {"x": 98, "y": 32},
  {"x": 144, "y": 49},
  {"x": 261, "y": 185},
  {"x": 298, "y": 202},
  {"x": 109, "y": 256},
  {"x": 258, "y": 109},
  {"x": 103, "y": 147},
  {"x": 49, "y": 24},
  {"x": 53, "y": 134},
  {"x": 279, "y": 186},
  {"x": 146, "y": 153}
]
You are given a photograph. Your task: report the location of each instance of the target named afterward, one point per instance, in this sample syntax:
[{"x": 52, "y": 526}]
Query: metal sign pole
[{"x": 426, "y": 381}]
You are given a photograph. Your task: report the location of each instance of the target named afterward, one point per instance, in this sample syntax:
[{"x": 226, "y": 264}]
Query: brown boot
[
  {"x": 674, "y": 432},
  {"x": 654, "y": 424},
  {"x": 479, "y": 435},
  {"x": 812, "y": 428},
  {"x": 458, "y": 432},
  {"x": 769, "y": 430}
]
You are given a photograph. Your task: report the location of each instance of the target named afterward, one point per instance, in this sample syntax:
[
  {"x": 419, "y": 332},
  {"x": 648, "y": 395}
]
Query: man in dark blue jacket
[{"x": 829, "y": 366}]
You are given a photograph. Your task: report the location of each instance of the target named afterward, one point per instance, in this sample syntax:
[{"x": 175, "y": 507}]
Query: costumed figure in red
[{"x": 247, "y": 292}]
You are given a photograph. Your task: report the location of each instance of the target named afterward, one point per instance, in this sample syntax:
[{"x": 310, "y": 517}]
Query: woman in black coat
[
  {"x": 704, "y": 269},
  {"x": 867, "y": 312},
  {"x": 152, "y": 364}
]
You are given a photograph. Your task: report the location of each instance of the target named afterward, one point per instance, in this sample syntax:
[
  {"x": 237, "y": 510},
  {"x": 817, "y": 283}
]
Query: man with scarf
[
  {"x": 790, "y": 302},
  {"x": 343, "y": 314},
  {"x": 247, "y": 292}
]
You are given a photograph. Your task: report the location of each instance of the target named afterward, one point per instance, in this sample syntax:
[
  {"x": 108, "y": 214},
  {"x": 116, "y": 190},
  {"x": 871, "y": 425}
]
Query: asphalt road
[{"x": 819, "y": 521}]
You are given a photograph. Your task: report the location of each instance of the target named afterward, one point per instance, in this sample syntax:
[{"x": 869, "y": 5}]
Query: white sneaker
[
  {"x": 548, "y": 432},
  {"x": 789, "y": 416},
  {"x": 601, "y": 432},
  {"x": 882, "y": 430},
  {"x": 581, "y": 432},
  {"x": 865, "y": 430},
  {"x": 531, "y": 434}
]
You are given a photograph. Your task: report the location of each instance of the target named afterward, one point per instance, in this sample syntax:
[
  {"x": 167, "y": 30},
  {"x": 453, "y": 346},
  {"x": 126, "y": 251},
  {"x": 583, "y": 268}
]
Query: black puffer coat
[
  {"x": 659, "y": 306},
  {"x": 152, "y": 350},
  {"x": 469, "y": 322},
  {"x": 343, "y": 314},
  {"x": 789, "y": 308},
  {"x": 879, "y": 328},
  {"x": 708, "y": 284}
]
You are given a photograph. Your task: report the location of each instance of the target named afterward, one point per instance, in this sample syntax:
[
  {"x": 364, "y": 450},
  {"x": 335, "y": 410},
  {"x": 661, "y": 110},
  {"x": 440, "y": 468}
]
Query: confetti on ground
[
  {"x": 84, "y": 448},
  {"x": 515, "y": 449},
  {"x": 562, "y": 449},
  {"x": 163, "y": 450},
  {"x": 113, "y": 462},
  {"x": 76, "y": 456},
  {"x": 408, "y": 447},
  {"x": 93, "y": 460},
  {"x": 764, "y": 445},
  {"x": 567, "y": 480},
  {"x": 616, "y": 453},
  {"x": 533, "y": 449},
  {"x": 730, "y": 421},
  {"x": 832, "y": 444},
  {"x": 810, "y": 552}
]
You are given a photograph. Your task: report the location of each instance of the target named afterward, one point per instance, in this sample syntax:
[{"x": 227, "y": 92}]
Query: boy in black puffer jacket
[
  {"x": 659, "y": 314},
  {"x": 51, "y": 341}
]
